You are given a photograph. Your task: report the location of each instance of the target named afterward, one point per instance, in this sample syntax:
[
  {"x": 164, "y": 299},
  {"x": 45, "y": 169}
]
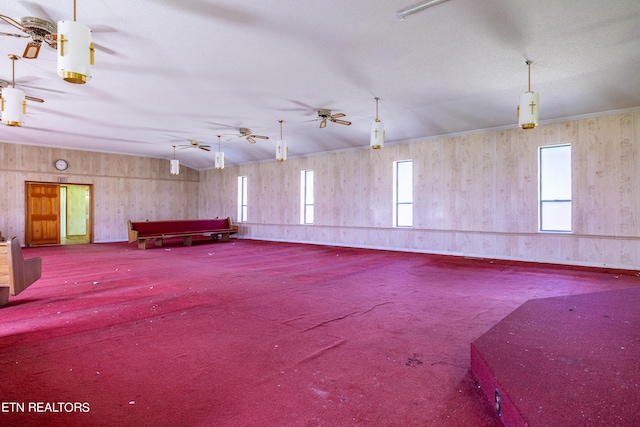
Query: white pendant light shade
[
  {"x": 75, "y": 52},
  {"x": 377, "y": 135},
  {"x": 529, "y": 103},
  {"x": 14, "y": 106},
  {"x": 219, "y": 156},
  {"x": 377, "y": 131},
  {"x": 281, "y": 150},
  {"x": 528, "y": 110},
  {"x": 219, "y": 160},
  {"x": 175, "y": 167}
]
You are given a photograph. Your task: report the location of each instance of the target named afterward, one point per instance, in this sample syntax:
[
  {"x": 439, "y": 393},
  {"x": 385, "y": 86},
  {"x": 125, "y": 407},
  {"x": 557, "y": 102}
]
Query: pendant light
[
  {"x": 377, "y": 131},
  {"x": 219, "y": 156},
  {"x": 529, "y": 104},
  {"x": 281, "y": 148},
  {"x": 175, "y": 164},
  {"x": 14, "y": 105},
  {"x": 75, "y": 50}
]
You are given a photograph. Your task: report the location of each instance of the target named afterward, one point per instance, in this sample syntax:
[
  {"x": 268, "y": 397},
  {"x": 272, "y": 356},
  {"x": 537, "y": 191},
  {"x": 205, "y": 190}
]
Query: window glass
[{"x": 555, "y": 188}]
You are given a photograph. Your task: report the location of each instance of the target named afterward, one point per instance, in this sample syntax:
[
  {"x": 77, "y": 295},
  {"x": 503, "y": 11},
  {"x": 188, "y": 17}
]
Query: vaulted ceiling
[{"x": 168, "y": 72}]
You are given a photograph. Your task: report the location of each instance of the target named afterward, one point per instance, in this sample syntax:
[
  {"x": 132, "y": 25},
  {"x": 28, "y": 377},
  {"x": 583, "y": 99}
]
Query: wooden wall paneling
[
  {"x": 362, "y": 212},
  {"x": 498, "y": 171},
  {"x": 506, "y": 162},
  {"x": 353, "y": 176},
  {"x": 8, "y": 154},
  {"x": 634, "y": 170},
  {"x": 610, "y": 180},
  {"x": 580, "y": 180},
  {"x": 452, "y": 196},
  {"x": 293, "y": 189},
  {"x": 421, "y": 185},
  {"x": 380, "y": 197},
  {"x": 594, "y": 205},
  {"x": 629, "y": 185},
  {"x": 327, "y": 193},
  {"x": 591, "y": 203},
  {"x": 338, "y": 176},
  {"x": 488, "y": 181},
  {"x": 433, "y": 199},
  {"x": 527, "y": 179},
  {"x": 469, "y": 194}
]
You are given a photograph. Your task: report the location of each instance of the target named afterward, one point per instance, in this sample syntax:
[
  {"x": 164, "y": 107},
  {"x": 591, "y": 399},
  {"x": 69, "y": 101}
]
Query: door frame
[{"x": 59, "y": 185}]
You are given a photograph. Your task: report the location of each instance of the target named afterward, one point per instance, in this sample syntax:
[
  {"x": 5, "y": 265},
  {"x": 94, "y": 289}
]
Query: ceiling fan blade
[
  {"x": 36, "y": 10},
  {"x": 32, "y": 50},
  {"x": 341, "y": 122},
  {"x": 14, "y": 35},
  {"x": 260, "y": 136},
  {"x": 205, "y": 148},
  {"x": 104, "y": 49},
  {"x": 13, "y": 22},
  {"x": 31, "y": 98},
  {"x": 251, "y": 140},
  {"x": 323, "y": 123},
  {"x": 338, "y": 115}
]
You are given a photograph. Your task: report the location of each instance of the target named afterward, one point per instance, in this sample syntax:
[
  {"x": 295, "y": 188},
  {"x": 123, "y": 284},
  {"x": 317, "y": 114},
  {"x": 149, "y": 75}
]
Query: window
[
  {"x": 306, "y": 197},
  {"x": 242, "y": 199},
  {"x": 555, "y": 188},
  {"x": 403, "y": 193}
]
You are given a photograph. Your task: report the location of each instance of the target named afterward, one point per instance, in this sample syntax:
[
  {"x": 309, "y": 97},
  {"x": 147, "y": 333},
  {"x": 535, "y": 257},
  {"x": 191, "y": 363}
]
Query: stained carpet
[{"x": 253, "y": 333}]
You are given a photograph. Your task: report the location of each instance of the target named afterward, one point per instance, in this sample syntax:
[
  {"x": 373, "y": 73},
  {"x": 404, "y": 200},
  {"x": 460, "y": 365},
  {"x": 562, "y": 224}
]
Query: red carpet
[
  {"x": 250, "y": 333},
  {"x": 569, "y": 360}
]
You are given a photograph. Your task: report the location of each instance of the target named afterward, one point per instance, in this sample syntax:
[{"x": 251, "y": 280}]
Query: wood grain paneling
[
  {"x": 125, "y": 187},
  {"x": 475, "y": 194}
]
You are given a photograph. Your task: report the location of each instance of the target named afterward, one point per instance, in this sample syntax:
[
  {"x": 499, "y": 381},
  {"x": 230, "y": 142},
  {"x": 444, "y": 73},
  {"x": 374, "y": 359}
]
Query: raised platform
[{"x": 564, "y": 361}]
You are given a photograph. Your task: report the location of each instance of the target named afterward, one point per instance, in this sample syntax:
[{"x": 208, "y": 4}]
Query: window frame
[
  {"x": 543, "y": 202},
  {"x": 397, "y": 204},
  {"x": 243, "y": 196},
  {"x": 307, "y": 202}
]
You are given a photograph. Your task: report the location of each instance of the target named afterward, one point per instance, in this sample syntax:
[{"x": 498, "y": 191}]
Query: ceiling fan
[
  {"x": 325, "y": 114},
  {"x": 196, "y": 144},
  {"x": 38, "y": 29},
  {"x": 248, "y": 135}
]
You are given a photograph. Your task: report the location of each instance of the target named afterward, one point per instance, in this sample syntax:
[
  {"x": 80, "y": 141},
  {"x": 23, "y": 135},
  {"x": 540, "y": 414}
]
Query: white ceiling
[{"x": 167, "y": 72}]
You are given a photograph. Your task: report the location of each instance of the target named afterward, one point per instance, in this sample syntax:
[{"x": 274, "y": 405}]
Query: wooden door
[{"x": 43, "y": 214}]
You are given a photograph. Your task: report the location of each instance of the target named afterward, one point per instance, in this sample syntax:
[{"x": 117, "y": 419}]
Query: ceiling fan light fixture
[
  {"x": 219, "y": 157},
  {"x": 528, "y": 108},
  {"x": 75, "y": 51},
  {"x": 219, "y": 160},
  {"x": 175, "y": 167},
  {"x": 377, "y": 131},
  {"x": 175, "y": 164},
  {"x": 14, "y": 105},
  {"x": 281, "y": 147},
  {"x": 32, "y": 50}
]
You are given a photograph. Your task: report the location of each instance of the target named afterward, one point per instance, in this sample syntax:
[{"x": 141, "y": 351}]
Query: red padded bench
[{"x": 185, "y": 228}]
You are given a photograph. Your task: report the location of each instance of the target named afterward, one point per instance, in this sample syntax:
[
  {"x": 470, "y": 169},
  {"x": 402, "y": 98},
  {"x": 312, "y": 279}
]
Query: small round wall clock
[{"x": 61, "y": 164}]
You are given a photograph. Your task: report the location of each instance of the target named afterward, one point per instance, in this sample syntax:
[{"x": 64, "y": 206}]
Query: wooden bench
[
  {"x": 16, "y": 273},
  {"x": 187, "y": 228}
]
